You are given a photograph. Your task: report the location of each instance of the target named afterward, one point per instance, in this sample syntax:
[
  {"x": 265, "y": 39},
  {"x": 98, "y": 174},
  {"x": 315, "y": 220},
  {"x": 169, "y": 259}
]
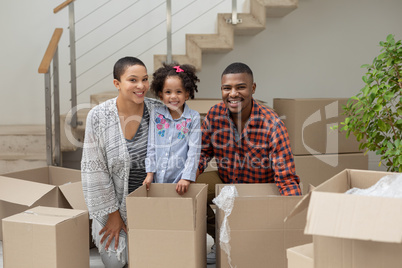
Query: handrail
[
  {"x": 50, "y": 51},
  {"x": 62, "y": 5}
]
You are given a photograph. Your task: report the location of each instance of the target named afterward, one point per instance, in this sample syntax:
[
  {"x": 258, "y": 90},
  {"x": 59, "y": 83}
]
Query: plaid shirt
[{"x": 260, "y": 154}]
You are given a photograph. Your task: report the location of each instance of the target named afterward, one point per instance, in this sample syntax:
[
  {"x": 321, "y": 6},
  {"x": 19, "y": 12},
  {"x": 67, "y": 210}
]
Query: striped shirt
[
  {"x": 259, "y": 154},
  {"x": 137, "y": 149}
]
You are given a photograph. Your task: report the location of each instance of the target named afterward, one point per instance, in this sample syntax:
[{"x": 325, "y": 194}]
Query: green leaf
[
  {"x": 382, "y": 125},
  {"x": 390, "y": 37},
  {"x": 364, "y": 78},
  {"x": 366, "y": 90},
  {"x": 399, "y": 111},
  {"x": 377, "y": 107},
  {"x": 365, "y": 66},
  {"x": 389, "y": 95},
  {"x": 381, "y": 56}
]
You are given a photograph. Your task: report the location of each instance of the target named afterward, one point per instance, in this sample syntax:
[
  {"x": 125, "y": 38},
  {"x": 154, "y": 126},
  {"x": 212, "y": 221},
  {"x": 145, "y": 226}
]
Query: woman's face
[{"x": 133, "y": 84}]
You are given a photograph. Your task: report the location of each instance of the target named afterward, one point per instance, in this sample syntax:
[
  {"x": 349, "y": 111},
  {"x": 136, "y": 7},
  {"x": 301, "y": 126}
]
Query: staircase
[
  {"x": 223, "y": 40},
  {"x": 22, "y": 147}
]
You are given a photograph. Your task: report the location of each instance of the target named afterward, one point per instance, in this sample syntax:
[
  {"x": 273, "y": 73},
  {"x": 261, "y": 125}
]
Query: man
[{"x": 248, "y": 140}]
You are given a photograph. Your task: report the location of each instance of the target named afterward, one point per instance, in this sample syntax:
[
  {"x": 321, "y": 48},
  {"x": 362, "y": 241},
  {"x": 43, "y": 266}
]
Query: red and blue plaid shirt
[{"x": 260, "y": 154}]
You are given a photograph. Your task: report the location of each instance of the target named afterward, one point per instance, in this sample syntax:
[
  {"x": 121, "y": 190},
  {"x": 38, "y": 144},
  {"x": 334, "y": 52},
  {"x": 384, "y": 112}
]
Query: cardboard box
[
  {"x": 45, "y": 237},
  {"x": 259, "y": 236},
  {"x": 301, "y": 256},
  {"x": 315, "y": 169},
  {"x": 308, "y": 122},
  {"x": 353, "y": 230},
  {"x": 38, "y": 187},
  {"x": 166, "y": 229}
]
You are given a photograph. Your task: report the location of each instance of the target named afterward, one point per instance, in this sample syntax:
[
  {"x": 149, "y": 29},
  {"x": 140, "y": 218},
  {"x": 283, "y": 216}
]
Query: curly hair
[{"x": 187, "y": 76}]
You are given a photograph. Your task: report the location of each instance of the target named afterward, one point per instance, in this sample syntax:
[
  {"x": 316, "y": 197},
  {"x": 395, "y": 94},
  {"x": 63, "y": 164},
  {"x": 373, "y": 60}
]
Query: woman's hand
[
  {"x": 182, "y": 186},
  {"x": 148, "y": 179},
  {"x": 112, "y": 229}
]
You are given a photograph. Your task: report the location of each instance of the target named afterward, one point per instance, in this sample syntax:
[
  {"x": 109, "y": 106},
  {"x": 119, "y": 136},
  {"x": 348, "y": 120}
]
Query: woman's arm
[{"x": 97, "y": 182}]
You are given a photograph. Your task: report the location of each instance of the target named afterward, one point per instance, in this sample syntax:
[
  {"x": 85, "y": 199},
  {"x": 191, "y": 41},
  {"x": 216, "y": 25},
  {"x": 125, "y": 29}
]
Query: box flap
[
  {"x": 22, "y": 192},
  {"x": 300, "y": 206},
  {"x": 74, "y": 195},
  {"x": 355, "y": 217},
  {"x": 161, "y": 208},
  {"x": 59, "y": 175},
  {"x": 40, "y": 175},
  {"x": 340, "y": 183}
]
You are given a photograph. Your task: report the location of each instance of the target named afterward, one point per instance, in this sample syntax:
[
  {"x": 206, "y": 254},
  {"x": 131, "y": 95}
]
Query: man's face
[{"x": 237, "y": 91}]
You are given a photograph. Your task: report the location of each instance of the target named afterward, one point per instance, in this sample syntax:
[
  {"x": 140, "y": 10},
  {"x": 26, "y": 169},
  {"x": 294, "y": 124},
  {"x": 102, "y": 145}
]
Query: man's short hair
[{"x": 238, "y": 68}]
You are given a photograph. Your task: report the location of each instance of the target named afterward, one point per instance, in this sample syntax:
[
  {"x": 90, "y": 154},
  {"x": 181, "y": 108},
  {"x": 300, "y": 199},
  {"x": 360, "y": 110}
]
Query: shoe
[{"x": 211, "y": 256}]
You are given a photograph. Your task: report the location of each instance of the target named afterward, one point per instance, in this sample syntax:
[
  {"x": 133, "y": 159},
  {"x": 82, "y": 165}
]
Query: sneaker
[{"x": 211, "y": 256}]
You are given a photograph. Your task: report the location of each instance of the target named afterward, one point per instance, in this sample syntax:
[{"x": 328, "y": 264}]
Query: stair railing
[
  {"x": 73, "y": 65},
  {"x": 51, "y": 55},
  {"x": 234, "y": 20}
]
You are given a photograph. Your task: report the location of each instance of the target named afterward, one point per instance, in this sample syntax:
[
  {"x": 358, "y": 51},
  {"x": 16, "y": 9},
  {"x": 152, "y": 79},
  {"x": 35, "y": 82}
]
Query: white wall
[{"x": 315, "y": 51}]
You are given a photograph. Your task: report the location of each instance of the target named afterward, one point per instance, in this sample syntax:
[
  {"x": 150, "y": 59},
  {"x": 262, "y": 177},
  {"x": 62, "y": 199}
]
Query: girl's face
[
  {"x": 173, "y": 94},
  {"x": 133, "y": 84}
]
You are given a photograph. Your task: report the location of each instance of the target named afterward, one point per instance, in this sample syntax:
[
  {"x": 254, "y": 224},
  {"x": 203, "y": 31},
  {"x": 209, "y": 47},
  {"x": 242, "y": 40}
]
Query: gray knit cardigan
[{"x": 105, "y": 163}]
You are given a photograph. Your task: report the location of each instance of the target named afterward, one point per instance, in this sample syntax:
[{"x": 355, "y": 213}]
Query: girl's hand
[
  {"x": 112, "y": 229},
  {"x": 182, "y": 186},
  {"x": 148, "y": 179}
]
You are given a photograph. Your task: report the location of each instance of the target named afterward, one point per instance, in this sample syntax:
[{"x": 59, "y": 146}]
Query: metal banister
[{"x": 51, "y": 54}]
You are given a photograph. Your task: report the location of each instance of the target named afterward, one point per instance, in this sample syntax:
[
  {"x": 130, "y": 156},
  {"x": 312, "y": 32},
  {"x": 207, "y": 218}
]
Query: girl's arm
[{"x": 193, "y": 155}]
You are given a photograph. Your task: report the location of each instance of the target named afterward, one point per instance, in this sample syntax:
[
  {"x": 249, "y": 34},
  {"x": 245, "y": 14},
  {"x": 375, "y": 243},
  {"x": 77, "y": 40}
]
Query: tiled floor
[{"x": 95, "y": 261}]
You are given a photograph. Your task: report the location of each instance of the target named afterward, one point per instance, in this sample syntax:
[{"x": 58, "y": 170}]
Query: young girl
[{"x": 174, "y": 140}]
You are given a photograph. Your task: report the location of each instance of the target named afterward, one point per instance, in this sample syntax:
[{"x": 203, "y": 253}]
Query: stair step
[
  {"x": 278, "y": 8},
  {"x": 72, "y": 138},
  {"x": 102, "y": 97},
  {"x": 249, "y": 25},
  {"x": 7, "y": 166},
  {"x": 22, "y": 140},
  {"x": 22, "y": 147}
]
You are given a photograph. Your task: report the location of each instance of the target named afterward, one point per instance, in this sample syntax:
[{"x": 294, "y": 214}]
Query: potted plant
[{"x": 374, "y": 115}]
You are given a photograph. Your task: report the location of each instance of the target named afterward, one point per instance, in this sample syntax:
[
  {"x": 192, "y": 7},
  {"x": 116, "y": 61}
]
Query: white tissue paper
[
  {"x": 225, "y": 202},
  {"x": 388, "y": 186}
]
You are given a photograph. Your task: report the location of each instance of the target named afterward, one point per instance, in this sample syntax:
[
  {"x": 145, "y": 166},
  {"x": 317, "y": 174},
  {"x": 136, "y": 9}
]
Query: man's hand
[
  {"x": 112, "y": 229},
  {"x": 182, "y": 186}
]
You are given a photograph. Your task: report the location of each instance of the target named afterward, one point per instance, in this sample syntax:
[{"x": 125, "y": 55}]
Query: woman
[{"x": 113, "y": 159}]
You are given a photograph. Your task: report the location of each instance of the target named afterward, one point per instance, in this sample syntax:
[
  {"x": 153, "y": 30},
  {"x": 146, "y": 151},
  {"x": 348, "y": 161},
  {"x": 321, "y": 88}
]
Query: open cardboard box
[
  {"x": 353, "y": 230},
  {"x": 308, "y": 122},
  {"x": 166, "y": 229},
  {"x": 259, "y": 236},
  {"x": 48, "y": 186},
  {"x": 46, "y": 237}
]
